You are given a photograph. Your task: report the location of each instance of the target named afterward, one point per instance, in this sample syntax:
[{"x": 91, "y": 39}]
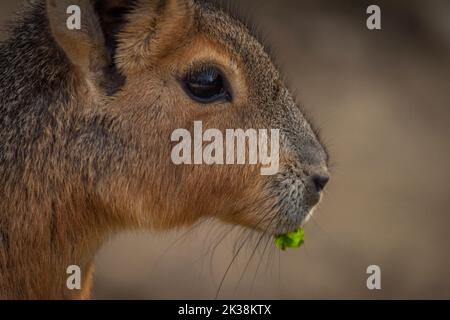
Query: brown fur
[{"x": 85, "y": 128}]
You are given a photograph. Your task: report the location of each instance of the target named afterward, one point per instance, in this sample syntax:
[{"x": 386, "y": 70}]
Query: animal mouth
[
  {"x": 294, "y": 207},
  {"x": 287, "y": 227}
]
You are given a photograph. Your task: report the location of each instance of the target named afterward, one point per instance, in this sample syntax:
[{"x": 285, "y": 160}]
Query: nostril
[{"x": 320, "y": 181}]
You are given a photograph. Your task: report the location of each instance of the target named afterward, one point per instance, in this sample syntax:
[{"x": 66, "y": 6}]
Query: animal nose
[{"x": 320, "y": 181}]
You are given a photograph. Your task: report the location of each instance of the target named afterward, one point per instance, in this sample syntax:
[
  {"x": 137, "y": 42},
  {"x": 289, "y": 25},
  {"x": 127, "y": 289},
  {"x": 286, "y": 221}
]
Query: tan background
[{"x": 382, "y": 100}]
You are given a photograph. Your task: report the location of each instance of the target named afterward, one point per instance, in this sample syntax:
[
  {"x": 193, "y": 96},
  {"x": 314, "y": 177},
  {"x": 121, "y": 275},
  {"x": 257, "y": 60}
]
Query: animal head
[{"x": 142, "y": 69}]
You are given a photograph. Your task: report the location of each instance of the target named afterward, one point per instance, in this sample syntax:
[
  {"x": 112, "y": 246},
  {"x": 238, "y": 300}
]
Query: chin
[{"x": 293, "y": 222}]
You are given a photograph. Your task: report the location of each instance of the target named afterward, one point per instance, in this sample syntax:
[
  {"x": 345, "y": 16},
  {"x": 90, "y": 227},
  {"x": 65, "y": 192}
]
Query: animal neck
[
  {"x": 41, "y": 241},
  {"x": 48, "y": 221}
]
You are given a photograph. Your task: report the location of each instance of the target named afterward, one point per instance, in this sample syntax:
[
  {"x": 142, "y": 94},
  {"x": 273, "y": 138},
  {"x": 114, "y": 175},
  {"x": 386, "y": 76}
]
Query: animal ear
[
  {"x": 153, "y": 29},
  {"x": 84, "y": 31}
]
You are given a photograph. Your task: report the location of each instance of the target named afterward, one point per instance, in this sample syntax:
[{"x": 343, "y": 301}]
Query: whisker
[
  {"x": 251, "y": 257},
  {"x": 237, "y": 253},
  {"x": 212, "y": 249},
  {"x": 259, "y": 263},
  {"x": 228, "y": 269},
  {"x": 178, "y": 239}
]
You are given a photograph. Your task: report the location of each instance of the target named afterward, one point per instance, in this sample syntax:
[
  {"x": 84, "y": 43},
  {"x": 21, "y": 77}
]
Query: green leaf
[{"x": 292, "y": 239}]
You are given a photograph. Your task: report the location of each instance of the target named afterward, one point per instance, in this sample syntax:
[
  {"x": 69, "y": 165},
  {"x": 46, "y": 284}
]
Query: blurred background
[{"x": 382, "y": 100}]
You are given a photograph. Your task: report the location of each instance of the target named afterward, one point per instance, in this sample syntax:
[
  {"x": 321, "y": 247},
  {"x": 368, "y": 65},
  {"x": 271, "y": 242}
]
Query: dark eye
[{"x": 206, "y": 86}]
